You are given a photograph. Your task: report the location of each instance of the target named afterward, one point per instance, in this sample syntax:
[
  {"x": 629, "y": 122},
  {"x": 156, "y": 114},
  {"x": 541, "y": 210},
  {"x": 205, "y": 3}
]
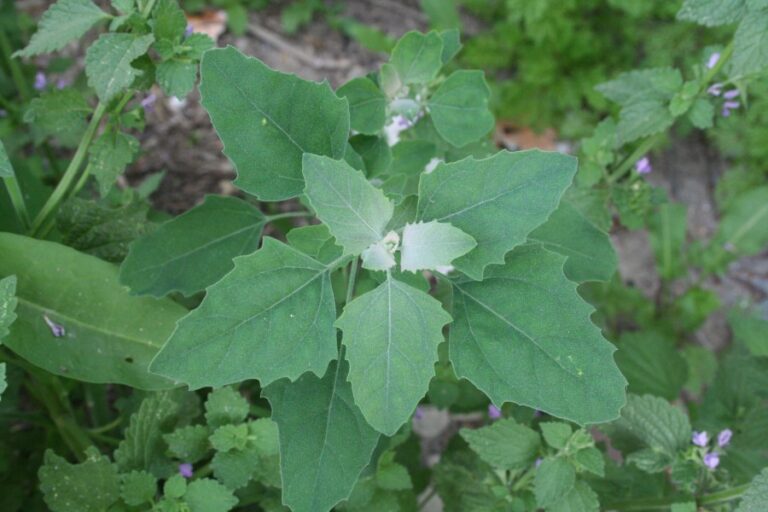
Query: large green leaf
[
  {"x": 270, "y": 317},
  {"x": 63, "y": 22},
  {"x": 498, "y": 200},
  {"x": 459, "y": 108},
  {"x": 430, "y": 245},
  {"x": 524, "y": 335},
  {"x": 324, "y": 440},
  {"x": 106, "y": 335},
  {"x": 588, "y": 248},
  {"x": 355, "y": 211},
  {"x": 367, "y": 105},
  {"x": 193, "y": 250},
  {"x": 267, "y": 120},
  {"x": 391, "y": 334},
  {"x": 108, "y": 62}
]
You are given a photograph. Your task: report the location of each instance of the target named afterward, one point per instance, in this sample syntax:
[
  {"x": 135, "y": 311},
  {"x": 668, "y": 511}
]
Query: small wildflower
[
  {"x": 712, "y": 460},
  {"x": 57, "y": 330},
  {"x": 713, "y": 60},
  {"x": 728, "y": 106},
  {"x": 185, "y": 470},
  {"x": 40, "y": 81},
  {"x": 419, "y": 413},
  {"x": 393, "y": 129},
  {"x": 643, "y": 166},
  {"x": 724, "y": 437},
  {"x": 700, "y": 439},
  {"x": 715, "y": 89},
  {"x": 733, "y": 93},
  {"x": 494, "y": 412},
  {"x": 538, "y": 462},
  {"x": 189, "y": 30},
  {"x": 148, "y": 102},
  {"x": 62, "y": 83}
]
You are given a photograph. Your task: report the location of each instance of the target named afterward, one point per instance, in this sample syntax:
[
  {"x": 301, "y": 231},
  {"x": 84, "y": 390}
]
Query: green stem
[
  {"x": 288, "y": 215},
  {"x": 60, "y": 192},
  {"x": 13, "y": 66},
  {"x": 106, "y": 428},
  {"x": 667, "y": 502},
  {"x": 351, "y": 280},
  {"x": 17, "y": 200},
  {"x": 724, "y": 496}
]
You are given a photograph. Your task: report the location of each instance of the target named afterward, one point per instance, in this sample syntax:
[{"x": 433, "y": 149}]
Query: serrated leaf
[
  {"x": 230, "y": 437},
  {"x": 109, "y": 156},
  {"x": 108, "y": 62},
  {"x": 712, "y": 12},
  {"x": 270, "y": 317},
  {"x": 315, "y": 241},
  {"x": 391, "y": 334},
  {"x": 138, "y": 488},
  {"x": 6, "y": 169},
  {"x": 91, "y": 486},
  {"x": 208, "y": 495},
  {"x": 459, "y": 108},
  {"x": 556, "y": 434},
  {"x": 267, "y": 120},
  {"x": 338, "y": 440},
  {"x": 196, "y": 45},
  {"x": 524, "y": 335},
  {"x": 367, "y": 105},
  {"x": 554, "y": 479},
  {"x": 504, "y": 444},
  {"x": 417, "y": 57},
  {"x": 194, "y": 250},
  {"x": 658, "y": 424},
  {"x": 64, "y": 21},
  {"x": 651, "y": 364},
  {"x": 189, "y": 444},
  {"x": 748, "y": 328},
  {"x": 236, "y": 467},
  {"x": 702, "y": 114},
  {"x": 579, "y": 499},
  {"x": 498, "y": 201},
  {"x": 590, "y": 254},
  {"x": 750, "y": 46},
  {"x": 176, "y": 77},
  {"x": 755, "y": 498},
  {"x": 355, "y": 211},
  {"x": 429, "y": 245},
  {"x": 591, "y": 459},
  {"x": 108, "y": 336},
  {"x": 169, "y": 20},
  {"x": 225, "y": 406},
  {"x": 61, "y": 114}
]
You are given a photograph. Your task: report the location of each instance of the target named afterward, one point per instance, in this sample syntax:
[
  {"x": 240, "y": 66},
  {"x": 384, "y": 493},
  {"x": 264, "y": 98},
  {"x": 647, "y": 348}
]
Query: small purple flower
[
  {"x": 185, "y": 470},
  {"x": 189, "y": 30},
  {"x": 63, "y": 83},
  {"x": 40, "y": 81},
  {"x": 700, "y": 439},
  {"x": 419, "y": 413},
  {"x": 733, "y": 93},
  {"x": 712, "y": 460},
  {"x": 643, "y": 166},
  {"x": 715, "y": 89},
  {"x": 538, "y": 462},
  {"x": 494, "y": 412},
  {"x": 56, "y": 329},
  {"x": 713, "y": 60},
  {"x": 724, "y": 437},
  {"x": 148, "y": 102},
  {"x": 732, "y": 105}
]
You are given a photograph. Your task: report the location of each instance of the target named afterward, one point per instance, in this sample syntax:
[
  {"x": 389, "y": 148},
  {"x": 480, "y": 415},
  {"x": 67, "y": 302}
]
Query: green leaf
[
  {"x": 702, "y": 366},
  {"x": 524, "y": 335},
  {"x": 8, "y": 303},
  {"x": 225, "y": 406},
  {"x": 702, "y": 114},
  {"x": 459, "y": 108},
  {"x": 355, "y": 211},
  {"x": 556, "y": 434},
  {"x": 590, "y": 254},
  {"x": 658, "y": 424},
  {"x": 169, "y": 21},
  {"x": 109, "y": 156},
  {"x": 138, "y": 488},
  {"x": 6, "y": 169},
  {"x": 91, "y": 486},
  {"x": 270, "y": 317},
  {"x": 417, "y": 57},
  {"x": 651, "y": 364},
  {"x": 581, "y": 498},
  {"x": 175, "y": 487},
  {"x": 315, "y": 241},
  {"x": 756, "y": 497},
  {"x": 553, "y": 481},
  {"x": 504, "y": 444},
  {"x": 230, "y": 437},
  {"x": 389, "y": 372},
  {"x": 666, "y": 231},
  {"x": 337, "y": 440},
  {"x": 750, "y": 46},
  {"x": 194, "y": 250},
  {"x": 108, "y": 336},
  {"x": 392, "y": 476},
  {"x": 497, "y": 201},
  {"x": 60, "y": 114},
  {"x": 592, "y": 460},
  {"x": 451, "y": 44},
  {"x": 744, "y": 227},
  {"x": 208, "y": 495},
  {"x": 255, "y": 459},
  {"x": 176, "y": 77},
  {"x": 189, "y": 444},
  {"x": 64, "y": 21},
  {"x": 267, "y": 120},
  {"x": 429, "y": 245},
  {"x": 108, "y": 62},
  {"x": 712, "y": 12},
  {"x": 748, "y": 328},
  {"x": 367, "y": 105}
]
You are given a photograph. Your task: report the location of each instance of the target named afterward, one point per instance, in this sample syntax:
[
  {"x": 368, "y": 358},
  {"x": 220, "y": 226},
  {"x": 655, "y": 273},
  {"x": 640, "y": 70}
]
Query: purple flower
[
  {"x": 538, "y": 462},
  {"x": 40, "y": 81},
  {"x": 148, "y": 102},
  {"x": 189, "y": 30},
  {"x": 494, "y": 412},
  {"x": 62, "y": 83},
  {"x": 643, "y": 166},
  {"x": 56, "y": 329},
  {"x": 715, "y": 89},
  {"x": 713, "y": 59},
  {"x": 419, "y": 413},
  {"x": 185, "y": 470},
  {"x": 712, "y": 460},
  {"x": 700, "y": 439},
  {"x": 728, "y": 106},
  {"x": 733, "y": 93},
  {"x": 724, "y": 437}
]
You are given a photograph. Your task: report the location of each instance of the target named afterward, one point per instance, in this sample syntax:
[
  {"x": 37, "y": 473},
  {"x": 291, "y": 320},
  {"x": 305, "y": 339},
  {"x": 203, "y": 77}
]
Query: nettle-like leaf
[
  {"x": 108, "y": 62},
  {"x": 417, "y": 58},
  {"x": 524, "y": 335},
  {"x": 76, "y": 320},
  {"x": 367, "y": 105},
  {"x": 194, "y": 250},
  {"x": 251, "y": 454},
  {"x": 169, "y": 21},
  {"x": 64, "y": 21},
  {"x": 712, "y": 12},
  {"x": 109, "y": 156},
  {"x": 497, "y": 201},
  {"x": 138, "y": 488},
  {"x": 459, "y": 108},
  {"x": 336, "y": 439},
  {"x": 91, "y": 486},
  {"x": 176, "y": 77},
  {"x": 429, "y": 245},
  {"x": 391, "y": 334},
  {"x": 661, "y": 426},
  {"x": 61, "y": 114},
  {"x": 555, "y": 478},
  {"x": 267, "y": 120},
  {"x": 581, "y": 498},
  {"x": 504, "y": 445},
  {"x": 750, "y": 45},
  {"x": 355, "y": 211},
  {"x": 270, "y": 317},
  {"x": 755, "y": 498}
]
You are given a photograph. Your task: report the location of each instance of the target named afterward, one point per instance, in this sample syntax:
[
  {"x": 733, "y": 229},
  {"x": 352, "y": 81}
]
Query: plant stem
[
  {"x": 60, "y": 192},
  {"x": 351, "y": 280},
  {"x": 17, "y": 200},
  {"x": 287, "y": 215}
]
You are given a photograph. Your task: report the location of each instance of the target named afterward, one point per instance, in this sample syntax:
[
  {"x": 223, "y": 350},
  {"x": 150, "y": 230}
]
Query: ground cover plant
[{"x": 193, "y": 363}]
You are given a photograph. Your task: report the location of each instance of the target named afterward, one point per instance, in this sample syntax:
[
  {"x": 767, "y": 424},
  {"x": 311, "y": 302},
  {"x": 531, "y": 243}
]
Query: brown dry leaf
[
  {"x": 210, "y": 23},
  {"x": 514, "y": 137}
]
